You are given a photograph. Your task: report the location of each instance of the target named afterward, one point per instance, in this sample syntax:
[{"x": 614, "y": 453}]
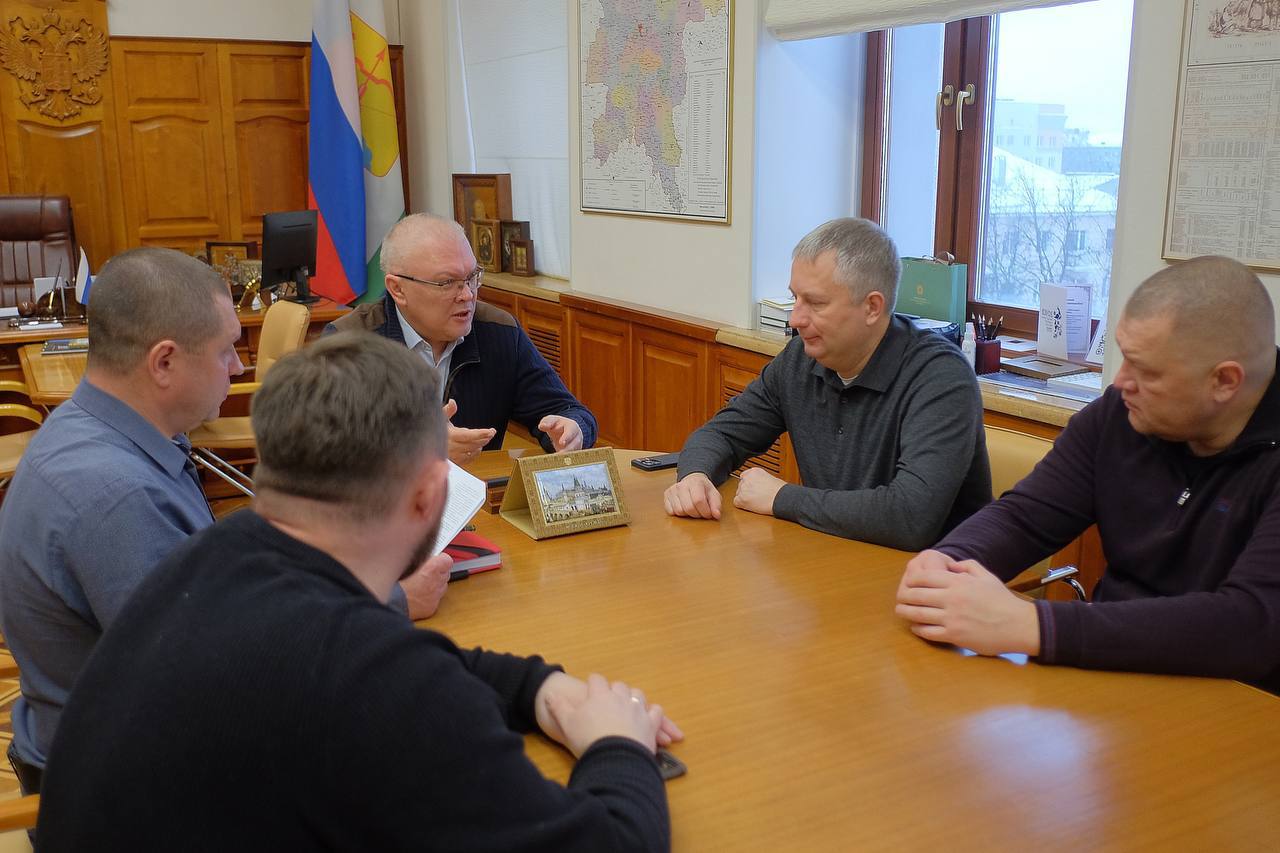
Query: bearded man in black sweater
[{"x": 257, "y": 694}]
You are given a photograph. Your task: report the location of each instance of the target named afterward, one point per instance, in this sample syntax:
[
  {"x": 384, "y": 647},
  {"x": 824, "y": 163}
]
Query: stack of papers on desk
[
  {"x": 1089, "y": 384},
  {"x": 775, "y": 314}
]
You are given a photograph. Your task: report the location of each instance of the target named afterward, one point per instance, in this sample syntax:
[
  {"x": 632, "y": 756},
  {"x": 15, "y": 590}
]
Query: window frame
[{"x": 968, "y": 46}]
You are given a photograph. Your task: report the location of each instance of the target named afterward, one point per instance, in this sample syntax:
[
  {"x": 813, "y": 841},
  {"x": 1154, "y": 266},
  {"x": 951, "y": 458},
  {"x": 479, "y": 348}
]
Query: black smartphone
[
  {"x": 656, "y": 463},
  {"x": 669, "y": 765}
]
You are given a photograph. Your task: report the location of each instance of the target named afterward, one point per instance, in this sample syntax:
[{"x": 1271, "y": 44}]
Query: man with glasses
[{"x": 489, "y": 370}]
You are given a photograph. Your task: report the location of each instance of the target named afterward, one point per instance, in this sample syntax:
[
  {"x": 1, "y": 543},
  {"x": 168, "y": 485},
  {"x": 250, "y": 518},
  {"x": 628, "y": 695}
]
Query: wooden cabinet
[
  {"x": 170, "y": 118},
  {"x": 264, "y": 100},
  {"x": 645, "y": 376},
  {"x": 600, "y": 372},
  {"x": 669, "y": 388},
  {"x": 543, "y": 321},
  {"x": 500, "y": 299}
]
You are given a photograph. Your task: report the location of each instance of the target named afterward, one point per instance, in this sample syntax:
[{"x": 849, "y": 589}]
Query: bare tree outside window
[{"x": 1053, "y": 152}]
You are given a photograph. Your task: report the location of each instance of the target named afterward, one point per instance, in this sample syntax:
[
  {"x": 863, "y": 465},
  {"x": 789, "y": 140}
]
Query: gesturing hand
[
  {"x": 465, "y": 444},
  {"x": 564, "y": 432}
]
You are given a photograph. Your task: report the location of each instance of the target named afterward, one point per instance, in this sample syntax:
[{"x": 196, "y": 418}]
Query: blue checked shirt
[{"x": 99, "y": 498}]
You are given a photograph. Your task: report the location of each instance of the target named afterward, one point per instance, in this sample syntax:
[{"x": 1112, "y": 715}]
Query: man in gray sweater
[{"x": 885, "y": 418}]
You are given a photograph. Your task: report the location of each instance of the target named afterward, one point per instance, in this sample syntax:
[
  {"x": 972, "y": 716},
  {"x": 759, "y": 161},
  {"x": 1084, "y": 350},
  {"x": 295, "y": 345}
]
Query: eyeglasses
[{"x": 453, "y": 285}]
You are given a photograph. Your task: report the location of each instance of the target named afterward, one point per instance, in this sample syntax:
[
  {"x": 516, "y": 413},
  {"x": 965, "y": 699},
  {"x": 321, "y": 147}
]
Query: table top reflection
[{"x": 816, "y": 721}]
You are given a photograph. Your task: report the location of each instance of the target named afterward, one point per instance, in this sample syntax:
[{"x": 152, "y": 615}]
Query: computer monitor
[{"x": 289, "y": 251}]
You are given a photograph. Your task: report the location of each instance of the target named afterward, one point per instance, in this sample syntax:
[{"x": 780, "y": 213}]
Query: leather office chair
[
  {"x": 1013, "y": 455},
  {"x": 284, "y": 328},
  {"x": 37, "y": 237}
]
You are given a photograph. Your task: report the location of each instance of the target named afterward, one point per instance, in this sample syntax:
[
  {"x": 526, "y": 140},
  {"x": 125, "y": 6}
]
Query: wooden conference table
[{"x": 816, "y": 721}]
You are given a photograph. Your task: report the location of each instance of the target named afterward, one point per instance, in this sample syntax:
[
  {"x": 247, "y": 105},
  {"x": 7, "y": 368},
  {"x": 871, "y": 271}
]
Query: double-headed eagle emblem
[{"x": 57, "y": 67}]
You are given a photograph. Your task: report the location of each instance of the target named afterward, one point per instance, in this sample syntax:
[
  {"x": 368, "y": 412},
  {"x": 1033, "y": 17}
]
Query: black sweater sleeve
[{"x": 434, "y": 763}]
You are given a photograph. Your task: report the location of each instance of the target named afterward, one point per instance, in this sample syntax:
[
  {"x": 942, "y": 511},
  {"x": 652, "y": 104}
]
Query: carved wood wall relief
[{"x": 58, "y": 62}]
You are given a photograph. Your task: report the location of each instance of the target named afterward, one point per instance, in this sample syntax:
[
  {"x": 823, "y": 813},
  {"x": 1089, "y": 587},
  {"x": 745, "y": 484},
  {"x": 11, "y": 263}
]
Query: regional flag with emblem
[{"x": 354, "y": 170}]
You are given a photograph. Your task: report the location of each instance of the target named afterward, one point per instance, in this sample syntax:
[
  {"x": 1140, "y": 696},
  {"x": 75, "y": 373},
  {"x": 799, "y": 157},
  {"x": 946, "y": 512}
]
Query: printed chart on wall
[
  {"x": 1224, "y": 181},
  {"x": 654, "y": 107}
]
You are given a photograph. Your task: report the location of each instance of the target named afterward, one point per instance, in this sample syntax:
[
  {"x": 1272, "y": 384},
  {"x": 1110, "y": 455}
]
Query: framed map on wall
[{"x": 655, "y": 108}]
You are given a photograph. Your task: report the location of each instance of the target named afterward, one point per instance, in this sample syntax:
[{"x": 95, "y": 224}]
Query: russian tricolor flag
[{"x": 354, "y": 158}]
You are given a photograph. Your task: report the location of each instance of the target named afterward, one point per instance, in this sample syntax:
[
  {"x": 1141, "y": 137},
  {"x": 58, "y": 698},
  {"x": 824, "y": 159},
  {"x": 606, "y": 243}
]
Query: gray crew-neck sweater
[{"x": 898, "y": 458}]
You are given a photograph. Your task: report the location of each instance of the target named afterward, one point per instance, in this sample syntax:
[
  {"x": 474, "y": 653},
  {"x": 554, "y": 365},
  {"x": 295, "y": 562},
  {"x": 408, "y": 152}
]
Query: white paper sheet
[
  {"x": 1097, "y": 349},
  {"x": 42, "y": 284},
  {"x": 466, "y": 496},
  {"x": 1051, "y": 337},
  {"x": 1079, "y": 314}
]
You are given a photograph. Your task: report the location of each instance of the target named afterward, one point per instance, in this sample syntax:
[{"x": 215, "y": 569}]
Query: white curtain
[
  {"x": 509, "y": 110},
  {"x": 802, "y": 19}
]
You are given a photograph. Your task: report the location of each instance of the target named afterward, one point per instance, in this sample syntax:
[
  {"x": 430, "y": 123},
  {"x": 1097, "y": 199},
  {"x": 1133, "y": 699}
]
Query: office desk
[
  {"x": 12, "y": 340},
  {"x": 816, "y": 721},
  {"x": 52, "y": 380}
]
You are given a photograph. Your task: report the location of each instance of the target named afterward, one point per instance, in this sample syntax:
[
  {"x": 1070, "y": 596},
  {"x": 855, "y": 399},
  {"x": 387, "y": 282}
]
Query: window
[{"x": 1026, "y": 189}]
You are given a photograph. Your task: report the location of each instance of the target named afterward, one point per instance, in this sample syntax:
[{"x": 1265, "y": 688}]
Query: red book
[{"x": 472, "y": 553}]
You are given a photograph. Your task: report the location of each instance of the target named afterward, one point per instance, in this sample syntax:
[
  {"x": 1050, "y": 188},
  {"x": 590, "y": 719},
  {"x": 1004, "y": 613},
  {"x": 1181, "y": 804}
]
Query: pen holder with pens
[{"x": 986, "y": 356}]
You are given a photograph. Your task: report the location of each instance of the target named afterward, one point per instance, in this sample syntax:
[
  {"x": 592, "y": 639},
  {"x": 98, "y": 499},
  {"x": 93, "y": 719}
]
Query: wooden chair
[
  {"x": 19, "y": 813},
  {"x": 284, "y": 328},
  {"x": 14, "y": 445},
  {"x": 1013, "y": 455}
]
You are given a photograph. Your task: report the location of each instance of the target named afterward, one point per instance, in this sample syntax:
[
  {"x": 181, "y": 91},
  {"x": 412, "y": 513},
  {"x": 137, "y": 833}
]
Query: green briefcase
[{"x": 933, "y": 289}]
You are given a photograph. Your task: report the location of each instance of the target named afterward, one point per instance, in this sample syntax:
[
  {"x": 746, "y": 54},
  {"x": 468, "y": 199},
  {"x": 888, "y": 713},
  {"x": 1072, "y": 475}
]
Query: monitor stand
[{"x": 302, "y": 288}]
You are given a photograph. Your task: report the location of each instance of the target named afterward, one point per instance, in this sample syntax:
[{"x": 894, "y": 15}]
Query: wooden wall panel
[
  {"x": 669, "y": 386},
  {"x": 600, "y": 372},
  {"x": 78, "y": 162},
  {"x": 544, "y": 323},
  {"x": 734, "y": 370},
  {"x": 500, "y": 299},
  {"x": 191, "y": 140},
  {"x": 171, "y": 143},
  {"x": 265, "y": 98},
  {"x": 64, "y": 147}
]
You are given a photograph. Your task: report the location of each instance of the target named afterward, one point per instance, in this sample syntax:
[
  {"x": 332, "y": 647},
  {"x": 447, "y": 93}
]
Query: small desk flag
[{"x": 83, "y": 279}]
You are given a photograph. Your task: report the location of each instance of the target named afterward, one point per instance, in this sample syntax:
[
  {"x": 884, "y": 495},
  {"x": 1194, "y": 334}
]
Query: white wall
[
  {"x": 424, "y": 25},
  {"x": 268, "y": 20},
  {"x": 808, "y": 145},
  {"x": 1150, "y": 108},
  {"x": 691, "y": 267}
]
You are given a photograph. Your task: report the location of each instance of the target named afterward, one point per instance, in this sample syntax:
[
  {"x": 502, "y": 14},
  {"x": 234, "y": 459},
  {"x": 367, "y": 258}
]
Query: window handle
[
  {"x": 945, "y": 99},
  {"x": 968, "y": 93}
]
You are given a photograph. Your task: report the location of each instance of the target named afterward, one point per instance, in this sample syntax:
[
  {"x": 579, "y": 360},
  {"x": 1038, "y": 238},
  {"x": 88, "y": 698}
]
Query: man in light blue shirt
[{"x": 106, "y": 489}]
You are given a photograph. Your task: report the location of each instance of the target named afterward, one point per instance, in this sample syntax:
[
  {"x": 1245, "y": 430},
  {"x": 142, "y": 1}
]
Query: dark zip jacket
[
  {"x": 496, "y": 374},
  {"x": 1192, "y": 583}
]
